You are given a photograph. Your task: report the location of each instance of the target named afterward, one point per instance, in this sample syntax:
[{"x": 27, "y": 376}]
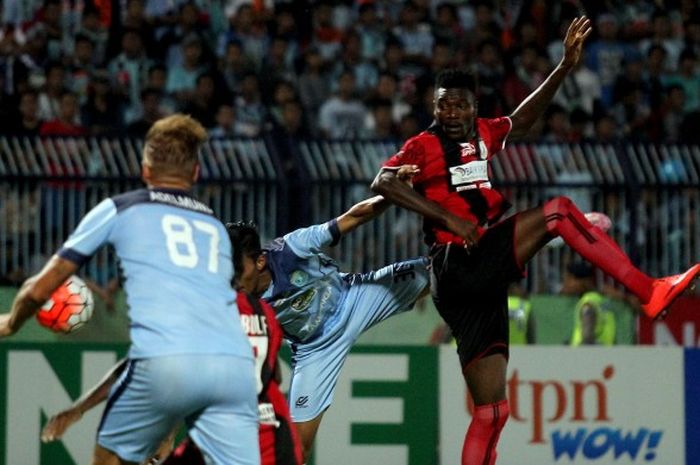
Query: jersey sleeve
[
  {"x": 92, "y": 232},
  {"x": 306, "y": 242},
  {"x": 412, "y": 153},
  {"x": 495, "y": 132}
]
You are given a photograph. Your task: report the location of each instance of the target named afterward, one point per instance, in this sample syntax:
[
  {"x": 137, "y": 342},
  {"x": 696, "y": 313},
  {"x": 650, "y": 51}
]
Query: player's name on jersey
[
  {"x": 254, "y": 325},
  {"x": 180, "y": 201}
]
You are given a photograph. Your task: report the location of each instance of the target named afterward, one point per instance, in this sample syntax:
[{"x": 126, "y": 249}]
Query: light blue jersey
[
  {"x": 307, "y": 285},
  {"x": 176, "y": 260},
  {"x": 323, "y": 311}
]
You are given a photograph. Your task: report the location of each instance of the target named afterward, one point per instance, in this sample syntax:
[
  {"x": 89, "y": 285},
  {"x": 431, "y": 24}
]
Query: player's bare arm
[
  {"x": 59, "y": 423},
  {"x": 535, "y": 104},
  {"x": 388, "y": 185},
  {"x": 34, "y": 292},
  {"x": 368, "y": 209}
]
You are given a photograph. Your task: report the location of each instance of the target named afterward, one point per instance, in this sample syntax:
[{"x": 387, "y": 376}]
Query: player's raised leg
[{"x": 560, "y": 217}]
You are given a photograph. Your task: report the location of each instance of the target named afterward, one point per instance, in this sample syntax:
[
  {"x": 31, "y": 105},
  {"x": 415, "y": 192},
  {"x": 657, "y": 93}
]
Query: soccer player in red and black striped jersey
[{"x": 476, "y": 255}]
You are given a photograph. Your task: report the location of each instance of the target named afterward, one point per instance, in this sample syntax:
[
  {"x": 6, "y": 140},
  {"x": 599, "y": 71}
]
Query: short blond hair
[{"x": 172, "y": 145}]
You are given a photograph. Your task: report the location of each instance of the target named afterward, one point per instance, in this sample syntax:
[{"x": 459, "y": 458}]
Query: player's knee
[
  {"x": 555, "y": 211},
  {"x": 492, "y": 417}
]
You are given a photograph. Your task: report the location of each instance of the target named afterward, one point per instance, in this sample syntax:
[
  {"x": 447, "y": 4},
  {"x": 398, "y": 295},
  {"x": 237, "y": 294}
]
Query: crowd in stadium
[{"x": 342, "y": 69}]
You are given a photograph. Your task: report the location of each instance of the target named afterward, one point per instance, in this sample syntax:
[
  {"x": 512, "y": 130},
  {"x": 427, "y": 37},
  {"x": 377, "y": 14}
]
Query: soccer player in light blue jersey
[
  {"x": 176, "y": 260},
  {"x": 323, "y": 310}
]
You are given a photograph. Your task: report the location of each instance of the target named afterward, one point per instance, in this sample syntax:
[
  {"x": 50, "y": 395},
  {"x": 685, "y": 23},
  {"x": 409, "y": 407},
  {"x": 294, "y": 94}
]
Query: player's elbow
[{"x": 383, "y": 182}]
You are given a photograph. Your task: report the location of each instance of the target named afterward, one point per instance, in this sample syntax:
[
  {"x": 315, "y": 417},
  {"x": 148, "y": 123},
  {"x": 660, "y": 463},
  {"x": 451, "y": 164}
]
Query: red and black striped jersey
[
  {"x": 456, "y": 175},
  {"x": 265, "y": 336}
]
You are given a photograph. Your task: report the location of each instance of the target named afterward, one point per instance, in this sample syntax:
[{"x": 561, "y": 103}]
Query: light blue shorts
[
  {"x": 215, "y": 396},
  {"x": 371, "y": 297}
]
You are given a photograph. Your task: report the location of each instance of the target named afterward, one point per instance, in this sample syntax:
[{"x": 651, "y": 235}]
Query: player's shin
[
  {"x": 483, "y": 433},
  {"x": 565, "y": 220}
]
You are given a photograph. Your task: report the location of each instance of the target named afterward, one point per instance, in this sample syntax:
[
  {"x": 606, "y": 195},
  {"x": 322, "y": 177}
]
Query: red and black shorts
[{"x": 470, "y": 290}]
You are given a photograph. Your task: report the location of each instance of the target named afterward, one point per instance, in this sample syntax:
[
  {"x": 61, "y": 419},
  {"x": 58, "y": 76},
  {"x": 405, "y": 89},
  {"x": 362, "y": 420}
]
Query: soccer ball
[
  {"x": 69, "y": 307},
  {"x": 599, "y": 219}
]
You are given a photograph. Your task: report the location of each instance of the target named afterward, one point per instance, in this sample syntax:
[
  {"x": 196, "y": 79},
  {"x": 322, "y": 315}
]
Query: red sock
[
  {"x": 482, "y": 436},
  {"x": 565, "y": 220}
]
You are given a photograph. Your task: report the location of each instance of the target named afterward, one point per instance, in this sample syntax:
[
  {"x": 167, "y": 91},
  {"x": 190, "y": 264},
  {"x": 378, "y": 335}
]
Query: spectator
[
  {"x": 522, "y": 327},
  {"x": 688, "y": 78},
  {"x": 446, "y": 27},
  {"x": 594, "y": 321},
  {"x": 416, "y": 37},
  {"x": 489, "y": 68},
  {"x": 662, "y": 35},
  {"x": 632, "y": 113},
  {"x": 326, "y": 38},
  {"x": 365, "y": 71},
  {"x": 157, "y": 80},
  {"x": 672, "y": 114},
  {"x": 28, "y": 123},
  {"x": 314, "y": 84},
  {"x": 50, "y": 18},
  {"x": 371, "y": 32},
  {"x": 92, "y": 28},
  {"x": 524, "y": 78},
  {"x": 251, "y": 113},
  {"x": 129, "y": 70},
  {"x": 605, "y": 55},
  {"x": 135, "y": 18},
  {"x": 343, "y": 115},
  {"x": 103, "y": 112},
  {"x": 580, "y": 89},
  {"x": 249, "y": 33},
  {"x": 226, "y": 124},
  {"x": 182, "y": 78},
  {"x": 186, "y": 28},
  {"x": 65, "y": 124},
  {"x": 152, "y": 112},
  {"x": 203, "y": 105},
  {"x": 283, "y": 92},
  {"x": 653, "y": 75},
  {"x": 380, "y": 123},
  {"x": 81, "y": 66},
  {"x": 606, "y": 130},
  {"x": 50, "y": 98},
  {"x": 277, "y": 65},
  {"x": 235, "y": 65},
  {"x": 557, "y": 125}
]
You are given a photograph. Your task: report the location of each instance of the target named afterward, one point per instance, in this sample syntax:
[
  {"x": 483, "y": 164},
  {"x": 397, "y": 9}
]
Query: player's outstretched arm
[
  {"x": 388, "y": 185},
  {"x": 369, "y": 209},
  {"x": 34, "y": 292},
  {"x": 59, "y": 423},
  {"x": 535, "y": 104}
]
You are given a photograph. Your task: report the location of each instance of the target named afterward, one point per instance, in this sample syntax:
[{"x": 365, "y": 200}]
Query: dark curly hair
[{"x": 245, "y": 241}]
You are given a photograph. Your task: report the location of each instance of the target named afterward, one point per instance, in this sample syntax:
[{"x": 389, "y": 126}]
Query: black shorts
[{"x": 470, "y": 290}]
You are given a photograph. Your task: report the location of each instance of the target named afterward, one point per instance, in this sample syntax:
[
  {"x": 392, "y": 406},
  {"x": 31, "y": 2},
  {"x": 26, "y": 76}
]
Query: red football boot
[{"x": 666, "y": 290}]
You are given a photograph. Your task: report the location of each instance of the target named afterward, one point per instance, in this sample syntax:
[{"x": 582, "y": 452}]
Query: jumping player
[
  {"x": 323, "y": 310},
  {"x": 473, "y": 266},
  {"x": 163, "y": 235},
  {"x": 277, "y": 436}
]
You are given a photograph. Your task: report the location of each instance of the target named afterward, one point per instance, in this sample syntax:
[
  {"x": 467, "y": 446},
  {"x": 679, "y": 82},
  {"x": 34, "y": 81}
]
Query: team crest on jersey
[
  {"x": 468, "y": 149},
  {"x": 302, "y": 302},
  {"x": 299, "y": 278}
]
